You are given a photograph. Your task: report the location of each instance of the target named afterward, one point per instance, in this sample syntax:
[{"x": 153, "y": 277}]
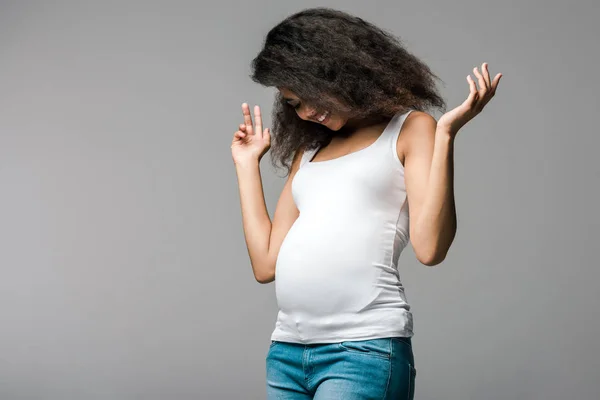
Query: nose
[{"x": 306, "y": 112}]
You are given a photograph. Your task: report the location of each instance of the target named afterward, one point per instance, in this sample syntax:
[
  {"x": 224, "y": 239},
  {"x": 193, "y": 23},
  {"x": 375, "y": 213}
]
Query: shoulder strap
[
  {"x": 398, "y": 127},
  {"x": 307, "y": 155}
]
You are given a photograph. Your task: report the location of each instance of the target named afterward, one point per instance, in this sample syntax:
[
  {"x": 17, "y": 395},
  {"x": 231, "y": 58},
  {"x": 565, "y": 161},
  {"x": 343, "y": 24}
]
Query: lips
[{"x": 326, "y": 114}]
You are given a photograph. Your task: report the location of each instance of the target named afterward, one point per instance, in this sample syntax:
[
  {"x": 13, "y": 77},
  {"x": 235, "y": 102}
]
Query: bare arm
[
  {"x": 429, "y": 171},
  {"x": 263, "y": 237},
  {"x": 429, "y": 187}
]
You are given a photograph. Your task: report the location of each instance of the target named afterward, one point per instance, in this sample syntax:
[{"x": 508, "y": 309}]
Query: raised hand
[
  {"x": 455, "y": 119},
  {"x": 250, "y": 143}
]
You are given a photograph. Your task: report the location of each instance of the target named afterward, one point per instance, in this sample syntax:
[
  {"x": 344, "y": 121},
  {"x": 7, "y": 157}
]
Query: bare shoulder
[
  {"x": 419, "y": 127},
  {"x": 296, "y": 161}
]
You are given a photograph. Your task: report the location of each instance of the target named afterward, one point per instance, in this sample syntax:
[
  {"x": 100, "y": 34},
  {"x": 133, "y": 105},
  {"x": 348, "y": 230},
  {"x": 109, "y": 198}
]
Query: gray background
[{"x": 124, "y": 268}]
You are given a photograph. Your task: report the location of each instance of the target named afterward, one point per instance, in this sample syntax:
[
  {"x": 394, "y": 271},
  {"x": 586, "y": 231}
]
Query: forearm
[
  {"x": 255, "y": 217},
  {"x": 436, "y": 226}
]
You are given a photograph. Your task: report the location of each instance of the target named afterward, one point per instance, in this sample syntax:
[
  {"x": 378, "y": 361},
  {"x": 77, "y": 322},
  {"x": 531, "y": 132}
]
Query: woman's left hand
[{"x": 455, "y": 119}]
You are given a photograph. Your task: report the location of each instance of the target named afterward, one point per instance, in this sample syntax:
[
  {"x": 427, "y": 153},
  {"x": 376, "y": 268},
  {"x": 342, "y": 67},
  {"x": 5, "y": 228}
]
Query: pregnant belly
[{"x": 320, "y": 276}]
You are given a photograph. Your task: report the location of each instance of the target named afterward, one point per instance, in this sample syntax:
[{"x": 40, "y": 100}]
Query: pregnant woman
[{"x": 370, "y": 172}]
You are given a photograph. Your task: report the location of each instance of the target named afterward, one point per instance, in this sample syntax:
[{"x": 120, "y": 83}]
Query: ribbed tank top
[{"x": 336, "y": 275}]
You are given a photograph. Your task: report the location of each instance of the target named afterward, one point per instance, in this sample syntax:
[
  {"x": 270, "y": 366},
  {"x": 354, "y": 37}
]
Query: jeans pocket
[
  {"x": 370, "y": 347},
  {"x": 412, "y": 378},
  {"x": 402, "y": 339},
  {"x": 271, "y": 349}
]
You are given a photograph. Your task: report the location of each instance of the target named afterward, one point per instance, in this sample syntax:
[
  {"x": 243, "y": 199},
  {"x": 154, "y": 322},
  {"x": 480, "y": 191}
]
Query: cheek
[
  {"x": 335, "y": 122},
  {"x": 301, "y": 114},
  {"x": 339, "y": 120}
]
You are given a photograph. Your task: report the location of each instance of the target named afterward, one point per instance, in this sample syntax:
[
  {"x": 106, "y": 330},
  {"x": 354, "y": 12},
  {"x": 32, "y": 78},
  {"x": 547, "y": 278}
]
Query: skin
[
  {"x": 425, "y": 147},
  {"x": 333, "y": 121},
  {"x": 309, "y": 113}
]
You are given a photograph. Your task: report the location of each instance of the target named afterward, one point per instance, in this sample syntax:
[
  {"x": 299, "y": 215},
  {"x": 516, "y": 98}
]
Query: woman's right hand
[{"x": 250, "y": 143}]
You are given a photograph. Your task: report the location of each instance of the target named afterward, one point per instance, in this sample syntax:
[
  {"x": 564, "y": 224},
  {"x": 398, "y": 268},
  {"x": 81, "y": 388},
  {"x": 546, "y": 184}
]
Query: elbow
[
  {"x": 431, "y": 258},
  {"x": 265, "y": 279},
  {"x": 431, "y": 253},
  {"x": 267, "y": 276},
  {"x": 430, "y": 262}
]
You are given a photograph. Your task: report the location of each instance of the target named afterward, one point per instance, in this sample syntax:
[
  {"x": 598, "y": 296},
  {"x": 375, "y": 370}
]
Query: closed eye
[{"x": 289, "y": 103}]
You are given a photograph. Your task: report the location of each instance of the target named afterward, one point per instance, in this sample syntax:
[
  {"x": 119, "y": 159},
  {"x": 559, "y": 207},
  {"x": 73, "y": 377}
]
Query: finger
[
  {"x": 247, "y": 118},
  {"x": 258, "y": 120},
  {"x": 473, "y": 94},
  {"x": 242, "y": 127},
  {"x": 495, "y": 82},
  {"x": 486, "y": 74},
  {"x": 482, "y": 83},
  {"x": 240, "y": 134}
]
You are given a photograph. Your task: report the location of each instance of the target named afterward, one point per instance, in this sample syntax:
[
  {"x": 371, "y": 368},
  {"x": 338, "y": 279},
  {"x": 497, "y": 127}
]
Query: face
[{"x": 309, "y": 113}]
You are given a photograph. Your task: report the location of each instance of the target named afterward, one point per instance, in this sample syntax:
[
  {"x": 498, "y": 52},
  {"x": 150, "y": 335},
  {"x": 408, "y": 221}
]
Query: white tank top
[{"x": 336, "y": 274}]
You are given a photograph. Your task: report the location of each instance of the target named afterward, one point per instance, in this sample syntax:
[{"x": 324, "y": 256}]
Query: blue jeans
[{"x": 377, "y": 369}]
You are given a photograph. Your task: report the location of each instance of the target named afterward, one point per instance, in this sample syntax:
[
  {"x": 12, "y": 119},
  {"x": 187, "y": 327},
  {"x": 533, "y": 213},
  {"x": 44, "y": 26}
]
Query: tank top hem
[{"x": 337, "y": 339}]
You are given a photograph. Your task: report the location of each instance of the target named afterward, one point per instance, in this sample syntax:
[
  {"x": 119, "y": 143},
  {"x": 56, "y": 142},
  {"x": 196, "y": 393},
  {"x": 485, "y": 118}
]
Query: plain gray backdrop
[{"x": 124, "y": 268}]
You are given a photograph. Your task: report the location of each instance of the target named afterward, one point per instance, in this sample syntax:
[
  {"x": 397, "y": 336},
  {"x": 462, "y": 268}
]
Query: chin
[{"x": 334, "y": 124}]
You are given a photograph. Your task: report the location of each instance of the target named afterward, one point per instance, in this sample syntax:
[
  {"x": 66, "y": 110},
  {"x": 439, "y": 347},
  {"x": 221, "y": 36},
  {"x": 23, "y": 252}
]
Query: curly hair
[{"x": 339, "y": 62}]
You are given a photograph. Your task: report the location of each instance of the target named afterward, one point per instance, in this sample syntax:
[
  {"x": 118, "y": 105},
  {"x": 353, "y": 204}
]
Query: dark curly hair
[{"x": 339, "y": 62}]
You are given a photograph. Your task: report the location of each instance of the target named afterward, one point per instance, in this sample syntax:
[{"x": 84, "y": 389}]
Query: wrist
[
  {"x": 445, "y": 134},
  {"x": 246, "y": 164}
]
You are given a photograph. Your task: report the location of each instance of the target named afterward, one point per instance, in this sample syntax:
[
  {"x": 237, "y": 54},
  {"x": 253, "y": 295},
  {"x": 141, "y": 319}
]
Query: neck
[{"x": 352, "y": 125}]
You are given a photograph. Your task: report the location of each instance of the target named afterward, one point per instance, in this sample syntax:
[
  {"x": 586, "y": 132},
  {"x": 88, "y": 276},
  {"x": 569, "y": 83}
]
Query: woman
[{"x": 350, "y": 113}]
